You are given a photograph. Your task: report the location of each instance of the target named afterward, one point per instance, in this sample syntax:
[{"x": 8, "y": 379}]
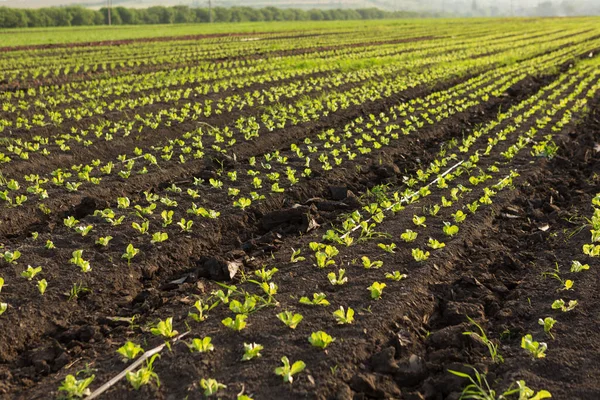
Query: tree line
[{"x": 80, "y": 16}]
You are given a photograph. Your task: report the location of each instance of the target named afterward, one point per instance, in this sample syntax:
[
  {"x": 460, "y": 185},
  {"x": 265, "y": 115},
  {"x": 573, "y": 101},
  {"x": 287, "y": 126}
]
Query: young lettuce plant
[
  {"x": 103, "y": 241},
  {"x": 74, "y": 387},
  {"x": 251, "y": 350},
  {"x": 368, "y": 264},
  {"x": 130, "y": 252},
  {"x": 576, "y": 266},
  {"x": 165, "y": 329},
  {"x": 144, "y": 375},
  {"x": 288, "y": 371},
  {"x": 395, "y": 276},
  {"x": 42, "y": 285},
  {"x": 338, "y": 279},
  {"x": 376, "y": 290},
  {"x": 563, "y": 306},
  {"x": 320, "y": 339},
  {"x": 420, "y": 255},
  {"x": 319, "y": 299},
  {"x": 296, "y": 257},
  {"x": 11, "y": 257},
  {"x": 449, "y": 229},
  {"x": 1, "y": 283},
  {"x": 388, "y": 248},
  {"x": 211, "y": 386},
  {"x": 537, "y": 349},
  {"x": 290, "y": 319},
  {"x": 30, "y": 272},
  {"x": 3, "y": 308},
  {"x": 409, "y": 236},
  {"x": 203, "y": 345},
  {"x": 129, "y": 351},
  {"x": 236, "y": 324},
  {"x": 548, "y": 324},
  {"x": 344, "y": 317}
]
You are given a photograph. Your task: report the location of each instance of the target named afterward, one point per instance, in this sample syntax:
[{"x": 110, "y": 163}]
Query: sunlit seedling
[
  {"x": 211, "y": 386},
  {"x": 320, "y": 339},
  {"x": 344, "y": 316},
  {"x": 536, "y": 349},
  {"x": 376, "y": 290},
  {"x": 203, "y": 345},
  {"x": 144, "y": 375},
  {"x": 288, "y": 371},
  {"x": 548, "y": 324},
  {"x": 236, "y": 324},
  {"x": 76, "y": 388},
  {"x": 395, "y": 276},
  {"x": 290, "y": 319},
  {"x": 319, "y": 299},
  {"x": 251, "y": 350},
  {"x": 129, "y": 351}
]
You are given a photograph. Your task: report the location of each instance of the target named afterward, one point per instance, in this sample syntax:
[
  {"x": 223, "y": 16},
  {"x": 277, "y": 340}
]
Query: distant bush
[{"x": 79, "y": 16}]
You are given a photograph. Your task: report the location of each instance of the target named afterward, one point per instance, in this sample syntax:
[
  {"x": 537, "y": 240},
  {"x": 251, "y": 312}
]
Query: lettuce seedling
[
  {"x": 211, "y": 386},
  {"x": 1, "y": 283},
  {"x": 201, "y": 345},
  {"x": 320, "y": 339},
  {"x": 242, "y": 203},
  {"x": 186, "y": 226},
  {"x": 245, "y": 308},
  {"x": 340, "y": 279},
  {"x": 420, "y": 255},
  {"x": 83, "y": 230},
  {"x": 238, "y": 324},
  {"x": 434, "y": 244},
  {"x": 141, "y": 228},
  {"x": 288, "y": 371},
  {"x": 548, "y": 324},
  {"x": 318, "y": 300},
  {"x": 103, "y": 241},
  {"x": 376, "y": 290},
  {"x": 368, "y": 264},
  {"x": 290, "y": 319},
  {"x": 537, "y": 349},
  {"x": 296, "y": 257},
  {"x": 564, "y": 307},
  {"x": 591, "y": 250},
  {"x": 129, "y": 351},
  {"x": 3, "y": 308},
  {"x": 70, "y": 222},
  {"x": 130, "y": 252},
  {"x": 76, "y": 387},
  {"x": 388, "y": 248},
  {"x": 202, "y": 310},
  {"x": 42, "y": 285},
  {"x": 11, "y": 257},
  {"x": 576, "y": 266},
  {"x": 449, "y": 229},
  {"x": 159, "y": 237},
  {"x": 459, "y": 216},
  {"x": 144, "y": 375},
  {"x": 31, "y": 272},
  {"x": 251, "y": 350},
  {"x": 49, "y": 245},
  {"x": 344, "y": 317},
  {"x": 409, "y": 236},
  {"x": 164, "y": 329},
  {"x": 419, "y": 221},
  {"x": 78, "y": 260},
  {"x": 395, "y": 276},
  {"x": 264, "y": 274}
]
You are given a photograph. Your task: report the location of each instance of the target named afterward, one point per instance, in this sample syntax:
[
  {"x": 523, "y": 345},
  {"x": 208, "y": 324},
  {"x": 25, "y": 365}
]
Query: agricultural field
[{"x": 408, "y": 210}]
